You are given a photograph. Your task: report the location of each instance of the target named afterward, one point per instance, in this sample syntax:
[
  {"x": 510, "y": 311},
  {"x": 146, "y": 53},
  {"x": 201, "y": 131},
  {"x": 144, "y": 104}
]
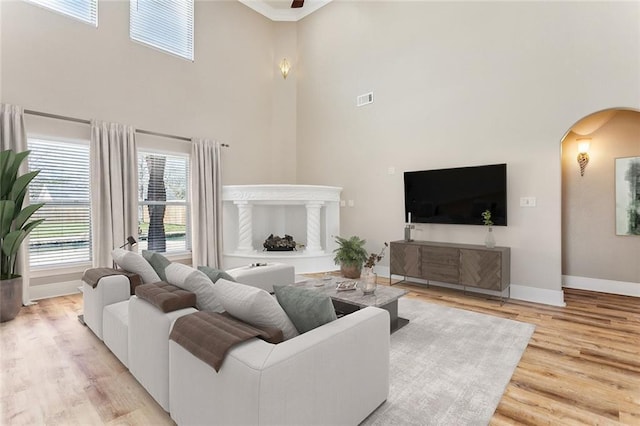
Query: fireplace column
[
  {"x": 313, "y": 226},
  {"x": 245, "y": 226}
]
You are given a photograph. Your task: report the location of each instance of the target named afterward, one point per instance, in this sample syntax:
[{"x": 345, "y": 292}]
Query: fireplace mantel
[{"x": 310, "y": 213}]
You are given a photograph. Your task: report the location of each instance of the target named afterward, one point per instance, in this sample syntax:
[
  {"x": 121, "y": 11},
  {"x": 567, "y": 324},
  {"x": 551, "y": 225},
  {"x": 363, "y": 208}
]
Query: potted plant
[
  {"x": 14, "y": 228},
  {"x": 350, "y": 255}
]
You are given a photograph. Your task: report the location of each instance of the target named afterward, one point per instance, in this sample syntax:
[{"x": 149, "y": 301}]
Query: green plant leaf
[
  {"x": 20, "y": 185},
  {"x": 6, "y": 182},
  {"x": 29, "y": 226},
  {"x": 7, "y": 209},
  {"x": 11, "y": 242},
  {"x": 26, "y": 213},
  {"x": 19, "y": 157}
]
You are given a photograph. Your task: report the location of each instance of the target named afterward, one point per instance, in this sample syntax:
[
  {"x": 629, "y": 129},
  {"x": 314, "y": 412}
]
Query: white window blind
[
  {"x": 63, "y": 185},
  {"x": 163, "y": 202},
  {"x": 84, "y": 10},
  {"x": 164, "y": 24}
]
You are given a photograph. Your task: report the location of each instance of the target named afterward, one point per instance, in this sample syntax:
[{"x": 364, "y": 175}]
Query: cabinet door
[
  {"x": 405, "y": 259},
  {"x": 440, "y": 264},
  {"x": 481, "y": 268}
]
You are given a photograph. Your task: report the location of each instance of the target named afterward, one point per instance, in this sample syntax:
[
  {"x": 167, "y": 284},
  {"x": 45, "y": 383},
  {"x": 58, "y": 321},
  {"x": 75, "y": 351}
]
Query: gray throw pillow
[
  {"x": 215, "y": 274},
  {"x": 305, "y": 308},
  {"x": 158, "y": 262}
]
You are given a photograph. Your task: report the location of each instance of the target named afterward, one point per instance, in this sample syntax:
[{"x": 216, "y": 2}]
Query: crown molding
[{"x": 284, "y": 14}]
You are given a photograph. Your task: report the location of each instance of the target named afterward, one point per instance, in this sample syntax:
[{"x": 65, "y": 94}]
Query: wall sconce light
[
  {"x": 583, "y": 153},
  {"x": 284, "y": 66}
]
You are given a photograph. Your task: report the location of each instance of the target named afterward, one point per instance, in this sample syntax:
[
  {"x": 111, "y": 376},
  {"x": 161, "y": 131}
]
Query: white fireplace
[{"x": 309, "y": 213}]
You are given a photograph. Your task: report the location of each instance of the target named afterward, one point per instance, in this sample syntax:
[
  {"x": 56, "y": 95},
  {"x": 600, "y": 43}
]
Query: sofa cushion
[
  {"x": 158, "y": 262},
  {"x": 197, "y": 282},
  {"x": 306, "y": 308},
  {"x": 133, "y": 262},
  {"x": 166, "y": 297},
  {"x": 215, "y": 274},
  {"x": 253, "y": 306}
]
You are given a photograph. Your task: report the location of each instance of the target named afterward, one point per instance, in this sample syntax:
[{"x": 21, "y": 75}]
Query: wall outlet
[
  {"x": 391, "y": 170},
  {"x": 343, "y": 203},
  {"x": 351, "y": 203},
  {"x": 527, "y": 201}
]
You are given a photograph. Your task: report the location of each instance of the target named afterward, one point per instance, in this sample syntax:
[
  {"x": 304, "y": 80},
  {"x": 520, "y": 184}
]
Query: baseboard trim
[
  {"x": 45, "y": 291},
  {"x": 622, "y": 288},
  {"x": 537, "y": 295}
]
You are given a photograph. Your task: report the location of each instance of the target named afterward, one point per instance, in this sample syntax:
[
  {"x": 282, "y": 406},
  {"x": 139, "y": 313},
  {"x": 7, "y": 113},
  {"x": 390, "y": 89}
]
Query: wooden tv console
[{"x": 466, "y": 265}]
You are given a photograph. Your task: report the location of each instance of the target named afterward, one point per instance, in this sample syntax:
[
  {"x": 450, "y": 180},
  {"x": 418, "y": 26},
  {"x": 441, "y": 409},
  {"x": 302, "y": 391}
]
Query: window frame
[
  {"x": 70, "y": 266},
  {"x": 155, "y": 46},
  {"x": 187, "y": 201},
  {"x": 64, "y": 12}
]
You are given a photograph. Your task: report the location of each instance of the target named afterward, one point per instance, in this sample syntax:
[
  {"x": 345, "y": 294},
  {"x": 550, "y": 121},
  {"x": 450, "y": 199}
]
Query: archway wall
[{"x": 593, "y": 256}]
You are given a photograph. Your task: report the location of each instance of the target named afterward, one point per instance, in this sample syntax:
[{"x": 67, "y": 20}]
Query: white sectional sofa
[{"x": 337, "y": 373}]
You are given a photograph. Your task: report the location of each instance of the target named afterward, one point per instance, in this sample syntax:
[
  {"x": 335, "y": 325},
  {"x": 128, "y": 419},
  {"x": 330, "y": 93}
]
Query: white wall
[
  {"x": 55, "y": 64},
  {"x": 459, "y": 83}
]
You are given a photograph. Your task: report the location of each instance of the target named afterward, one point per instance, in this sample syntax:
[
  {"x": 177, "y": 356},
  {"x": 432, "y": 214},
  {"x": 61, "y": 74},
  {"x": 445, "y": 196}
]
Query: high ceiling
[{"x": 280, "y": 10}]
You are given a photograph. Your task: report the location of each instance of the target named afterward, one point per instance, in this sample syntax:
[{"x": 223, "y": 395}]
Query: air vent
[{"x": 365, "y": 99}]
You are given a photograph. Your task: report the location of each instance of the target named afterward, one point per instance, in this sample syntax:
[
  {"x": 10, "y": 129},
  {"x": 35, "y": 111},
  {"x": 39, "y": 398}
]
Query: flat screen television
[{"x": 456, "y": 196}]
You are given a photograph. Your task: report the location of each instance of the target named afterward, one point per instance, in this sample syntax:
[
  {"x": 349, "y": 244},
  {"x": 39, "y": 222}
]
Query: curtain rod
[{"x": 82, "y": 121}]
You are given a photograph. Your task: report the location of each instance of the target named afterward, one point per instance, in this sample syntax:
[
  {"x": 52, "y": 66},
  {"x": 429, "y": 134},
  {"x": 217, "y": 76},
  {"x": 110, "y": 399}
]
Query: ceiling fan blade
[{"x": 297, "y": 3}]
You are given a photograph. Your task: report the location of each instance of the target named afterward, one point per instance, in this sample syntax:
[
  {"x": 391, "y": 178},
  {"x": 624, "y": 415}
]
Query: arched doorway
[{"x": 596, "y": 255}]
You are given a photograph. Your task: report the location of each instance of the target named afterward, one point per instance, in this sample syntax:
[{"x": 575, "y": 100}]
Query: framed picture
[{"x": 628, "y": 196}]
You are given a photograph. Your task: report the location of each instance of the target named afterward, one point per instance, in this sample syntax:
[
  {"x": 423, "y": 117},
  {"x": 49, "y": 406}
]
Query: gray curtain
[
  {"x": 114, "y": 188},
  {"x": 206, "y": 203},
  {"x": 14, "y": 136}
]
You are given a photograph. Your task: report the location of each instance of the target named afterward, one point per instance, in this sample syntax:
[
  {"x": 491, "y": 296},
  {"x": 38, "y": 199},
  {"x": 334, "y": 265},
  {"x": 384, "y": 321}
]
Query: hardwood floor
[{"x": 582, "y": 365}]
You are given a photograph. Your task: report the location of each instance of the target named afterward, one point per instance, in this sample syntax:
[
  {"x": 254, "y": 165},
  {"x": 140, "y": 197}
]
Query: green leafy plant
[
  {"x": 14, "y": 225},
  {"x": 486, "y": 218},
  {"x": 351, "y": 252}
]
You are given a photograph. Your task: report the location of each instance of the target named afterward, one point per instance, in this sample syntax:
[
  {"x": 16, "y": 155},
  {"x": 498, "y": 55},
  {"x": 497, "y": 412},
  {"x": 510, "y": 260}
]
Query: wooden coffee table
[{"x": 346, "y": 302}]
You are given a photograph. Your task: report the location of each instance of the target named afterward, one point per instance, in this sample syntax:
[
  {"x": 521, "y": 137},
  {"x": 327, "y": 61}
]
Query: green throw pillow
[
  {"x": 158, "y": 262},
  {"x": 306, "y": 308},
  {"x": 215, "y": 274}
]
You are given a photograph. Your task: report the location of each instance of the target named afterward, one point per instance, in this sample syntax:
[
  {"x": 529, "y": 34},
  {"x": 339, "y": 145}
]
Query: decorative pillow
[
  {"x": 158, "y": 262},
  {"x": 133, "y": 262},
  {"x": 215, "y": 274},
  {"x": 306, "y": 308},
  {"x": 190, "y": 279},
  {"x": 253, "y": 306}
]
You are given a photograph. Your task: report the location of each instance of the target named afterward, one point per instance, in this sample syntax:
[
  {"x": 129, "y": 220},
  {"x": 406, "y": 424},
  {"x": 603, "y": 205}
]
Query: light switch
[
  {"x": 343, "y": 203},
  {"x": 527, "y": 201},
  {"x": 351, "y": 203},
  {"x": 391, "y": 170}
]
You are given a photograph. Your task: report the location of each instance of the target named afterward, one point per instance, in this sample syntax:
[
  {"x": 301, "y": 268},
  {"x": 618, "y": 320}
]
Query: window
[
  {"x": 163, "y": 212},
  {"x": 84, "y": 10},
  {"x": 63, "y": 184},
  {"x": 164, "y": 24}
]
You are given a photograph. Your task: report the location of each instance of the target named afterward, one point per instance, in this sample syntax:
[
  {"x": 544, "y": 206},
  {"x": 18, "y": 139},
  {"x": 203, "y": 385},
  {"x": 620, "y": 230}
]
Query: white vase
[{"x": 489, "y": 239}]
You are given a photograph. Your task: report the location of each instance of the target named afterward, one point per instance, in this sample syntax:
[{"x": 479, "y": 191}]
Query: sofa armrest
[
  {"x": 264, "y": 277},
  {"x": 343, "y": 365},
  {"x": 110, "y": 289}
]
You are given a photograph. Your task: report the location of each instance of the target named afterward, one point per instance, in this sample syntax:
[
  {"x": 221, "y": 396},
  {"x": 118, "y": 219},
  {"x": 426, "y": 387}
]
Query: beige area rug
[{"x": 449, "y": 366}]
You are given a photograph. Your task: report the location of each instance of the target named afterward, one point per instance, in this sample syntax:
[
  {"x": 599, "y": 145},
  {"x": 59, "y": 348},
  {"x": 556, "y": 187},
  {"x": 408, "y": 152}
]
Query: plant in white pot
[{"x": 14, "y": 228}]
